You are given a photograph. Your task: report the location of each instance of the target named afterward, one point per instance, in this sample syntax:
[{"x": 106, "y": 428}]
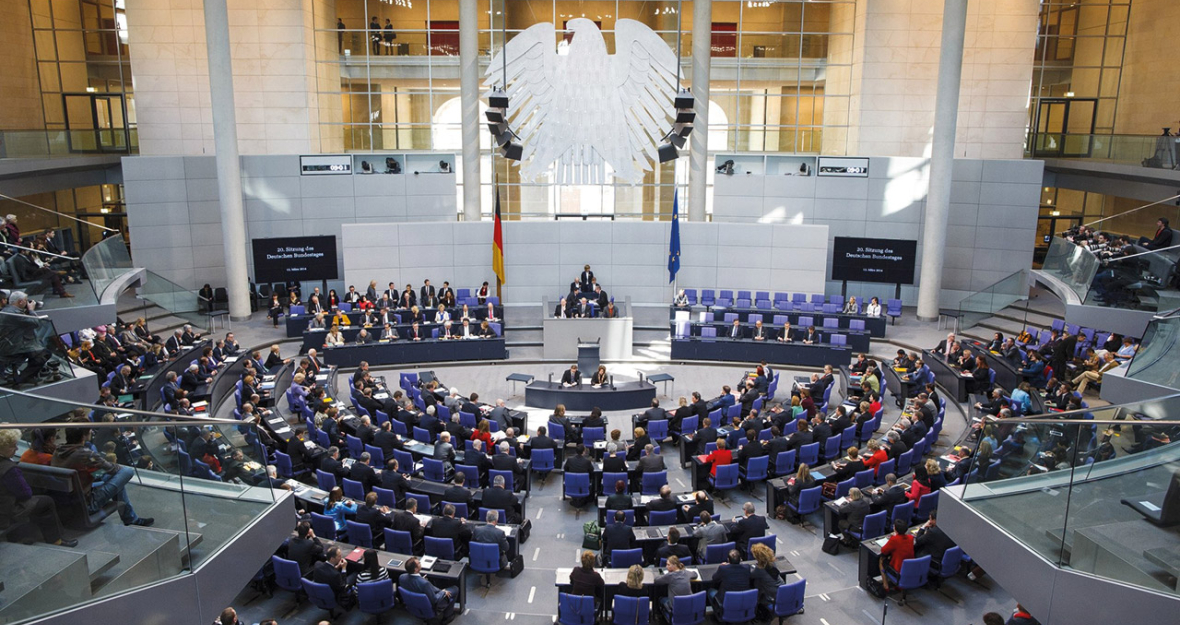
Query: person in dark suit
[
  {"x": 393, "y": 480},
  {"x": 491, "y": 534},
  {"x": 443, "y": 599},
  {"x": 579, "y": 463},
  {"x": 330, "y": 463},
  {"x": 458, "y": 492},
  {"x": 601, "y": 297},
  {"x": 480, "y": 460},
  {"x": 617, "y": 535},
  {"x": 802, "y": 435},
  {"x": 652, "y": 462},
  {"x": 297, "y": 450},
  {"x": 733, "y": 575},
  {"x": 821, "y": 430},
  {"x": 759, "y": 333},
  {"x": 736, "y": 331},
  {"x": 582, "y": 310},
  {"x": 748, "y": 397},
  {"x": 386, "y": 440},
  {"x": 620, "y": 500},
  {"x": 376, "y": 517},
  {"x": 701, "y": 503},
  {"x": 705, "y": 435},
  {"x": 331, "y": 573},
  {"x": 571, "y": 377},
  {"x": 499, "y": 498},
  {"x": 1064, "y": 352},
  {"x": 586, "y": 278},
  {"x": 931, "y": 540},
  {"x": 406, "y": 521},
  {"x": 305, "y": 549},
  {"x": 853, "y": 512},
  {"x": 1162, "y": 237},
  {"x": 754, "y": 448},
  {"x": 748, "y": 526},
  {"x": 505, "y": 461},
  {"x": 542, "y": 440},
  {"x": 562, "y": 310},
  {"x": 450, "y": 527},
  {"x": 663, "y": 502},
  {"x": 889, "y": 495},
  {"x": 673, "y": 547},
  {"x": 363, "y": 473}
]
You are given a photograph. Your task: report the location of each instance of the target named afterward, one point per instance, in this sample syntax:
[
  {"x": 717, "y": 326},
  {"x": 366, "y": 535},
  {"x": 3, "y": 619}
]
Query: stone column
[
  {"x": 229, "y": 169},
  {"x": 469, "y": 99},
  {"x": 942, "y": 157},
  {"x": 702, "y": 51}
]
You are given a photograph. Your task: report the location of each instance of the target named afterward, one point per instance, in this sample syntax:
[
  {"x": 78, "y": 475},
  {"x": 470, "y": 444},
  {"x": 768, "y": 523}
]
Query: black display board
[
  {"x": 294, "y": 259},
  {"x": 874, "y": 260}
]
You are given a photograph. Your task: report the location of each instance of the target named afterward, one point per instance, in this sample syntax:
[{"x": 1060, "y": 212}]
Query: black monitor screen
[
  {"x": 294, "y": 258},
  {"x": 874, "y": 260}
]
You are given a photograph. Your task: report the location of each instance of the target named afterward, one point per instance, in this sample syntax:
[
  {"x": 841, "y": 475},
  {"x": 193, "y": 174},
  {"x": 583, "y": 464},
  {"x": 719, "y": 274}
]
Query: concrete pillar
[
  {"x": 469, "y": 101},
  {"x": 229, "y": 169},
  {"x": 942, "y": 157},
  {"x": 702, "y": 52}
]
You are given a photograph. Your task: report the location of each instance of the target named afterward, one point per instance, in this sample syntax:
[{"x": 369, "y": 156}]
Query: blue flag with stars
[{"x": 674, "y": 241}]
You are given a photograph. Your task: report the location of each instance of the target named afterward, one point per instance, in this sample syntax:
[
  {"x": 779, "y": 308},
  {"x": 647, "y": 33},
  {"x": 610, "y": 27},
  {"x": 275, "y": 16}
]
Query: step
[
  {"x": 98, "y": 562},
  {"x": 145, "y": 555},
  {"x": 40, "y": 579}
]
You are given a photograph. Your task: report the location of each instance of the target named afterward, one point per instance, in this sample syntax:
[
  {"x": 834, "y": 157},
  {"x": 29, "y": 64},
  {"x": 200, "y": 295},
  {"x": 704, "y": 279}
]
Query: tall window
[
  {"x": 781, "y": 75},
  {"x": 85, "y": 73}
]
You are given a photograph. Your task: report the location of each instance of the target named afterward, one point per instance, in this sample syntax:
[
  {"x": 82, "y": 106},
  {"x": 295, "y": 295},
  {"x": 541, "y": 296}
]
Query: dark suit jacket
[
  {"x": 305, "y": 552},
  {"x": 748, "y": 527},
  {"x": 501, "y": 499},
  {"x": 932, "y": 541},
  {"x": 570, "y": 378},
  {"x": 364, "y": 474},
  {"x": 578, "y": 464},
  {"x": 617, "y": 536},
  {"x": 324, "y": 573},
  {"x": 705, "y": 436},
  {"x": 373, "y": 517},
  {"x": 328, "y": 464},
  {"x": 729, "y": 577},
  {"x": 889, "y": 497},
  {"x": 450, "y": 527}
]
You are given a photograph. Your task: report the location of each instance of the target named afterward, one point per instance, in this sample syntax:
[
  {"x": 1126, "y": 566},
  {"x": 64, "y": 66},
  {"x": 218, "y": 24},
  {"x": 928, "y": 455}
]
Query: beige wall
[
  {"x": 274, "y": 76},
  {"x": 18, "y": 80},
  {"x": 895, "y": 77},
  {"x": 1151, "y": 77}
]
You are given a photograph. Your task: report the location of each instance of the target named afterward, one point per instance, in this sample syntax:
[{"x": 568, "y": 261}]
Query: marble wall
[
  {"x": 895, "y": 77},
  {"x": 18, "y": 82},
  {"x": 274, "y": 76}
]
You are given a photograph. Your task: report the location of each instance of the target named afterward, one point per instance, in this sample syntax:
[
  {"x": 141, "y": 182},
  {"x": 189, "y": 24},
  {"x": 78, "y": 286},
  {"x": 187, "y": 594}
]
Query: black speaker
[
  {"x": 498, "y": 100},
  {"x": 512, "y": 151},
  {"x": 685, "y": 117},
  {"x": 678, "y": 140},
  {"x": 683, "y": 100},
  {"x": 497, "y": 128},
  {"x": 668, "y": 152},
  {"x": 495, "y": 115}
]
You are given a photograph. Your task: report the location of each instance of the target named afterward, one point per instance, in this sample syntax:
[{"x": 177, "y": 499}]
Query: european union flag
[{"x": 674, "y": 241}]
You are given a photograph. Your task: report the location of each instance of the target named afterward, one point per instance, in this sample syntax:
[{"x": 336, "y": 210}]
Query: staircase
[{"x": 1039, "y": 310}]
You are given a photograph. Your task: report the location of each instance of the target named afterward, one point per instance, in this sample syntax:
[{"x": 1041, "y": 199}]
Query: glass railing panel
[
  {"x": 49, "y": 282},
  {"x": 1141, "y": 150},
  {"x": 1086, "y": 489},
  {"x": 1141, "y": 281},
  {"x": 172, "y": 297},
  {"x": 1072, "y": 264},
  {"x": 981, "y": 305},
  {"x": 1158, "y": 358},
  {"x": 197, "y": 486},
  {"x": 31, "y": 352},
  {"x": 50, "y": 143},
  {"x": 106, "y": 261}
]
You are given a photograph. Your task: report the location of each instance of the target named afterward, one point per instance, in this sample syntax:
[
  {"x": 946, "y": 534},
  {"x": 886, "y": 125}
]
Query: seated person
[
  {"x": 26, "y": 515},
  {"x": 99, "y": 490},
  {"x": 617, "y": 535},
  {"x": 331, "y": 573},
  {"x": 442, "y": 599},
  {"x": 491, "y": 534}
]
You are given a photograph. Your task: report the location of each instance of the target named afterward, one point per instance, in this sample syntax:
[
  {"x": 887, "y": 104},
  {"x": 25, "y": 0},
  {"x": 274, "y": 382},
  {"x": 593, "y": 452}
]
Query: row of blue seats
[{"x": 781, "y": 301}]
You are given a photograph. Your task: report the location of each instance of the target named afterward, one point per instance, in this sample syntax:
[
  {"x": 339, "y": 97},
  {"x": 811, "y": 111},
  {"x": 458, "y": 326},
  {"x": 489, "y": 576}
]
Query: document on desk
[
  {"x": 323, "y": 377},
  {"x": 644, "y": 499},
  {"x": 428, "y": 561},
  {"x": 424, "y": 519},
  {"x": 504, "y": 528},
  {"x": 841, "y": 501},
  {"x": 381, "y": 395},
  {"x": 1150, "y": 506},
  {"x": 684, "y": 498}
]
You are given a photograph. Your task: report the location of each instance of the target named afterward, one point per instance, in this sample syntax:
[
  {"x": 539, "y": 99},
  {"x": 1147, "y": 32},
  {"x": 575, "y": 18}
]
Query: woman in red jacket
[
  {"x": 719, "y": 457},
  {"x": 876, "y": 457},
  {"x": 898, "y": 549},
  {"x": 483, "y": 433},
  {"x": 921, "y": 485}
]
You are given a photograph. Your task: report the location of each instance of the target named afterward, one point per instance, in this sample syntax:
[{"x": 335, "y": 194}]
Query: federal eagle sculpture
[{"x": 581, "y": 109}]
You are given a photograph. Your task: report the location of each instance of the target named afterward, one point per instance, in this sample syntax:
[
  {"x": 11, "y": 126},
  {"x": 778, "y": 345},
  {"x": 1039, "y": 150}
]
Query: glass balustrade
[
  {"x": 1137, "y": 279},
  {"x": 106, "y": 262},
  {"x": 986, "y": 303},
  {"x": 55, "y": 143},
  {"x": 200, "y": 482},
  {"x": 31, "y": 353},
  {"x": 1087, "y": 489}
]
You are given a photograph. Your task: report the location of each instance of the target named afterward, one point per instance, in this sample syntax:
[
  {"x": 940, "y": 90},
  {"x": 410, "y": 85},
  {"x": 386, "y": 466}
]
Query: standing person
[
  {"x": 375, "y": 35},
  {"x": 389, "y": 37},
  {"x": 340, "y": 27}
]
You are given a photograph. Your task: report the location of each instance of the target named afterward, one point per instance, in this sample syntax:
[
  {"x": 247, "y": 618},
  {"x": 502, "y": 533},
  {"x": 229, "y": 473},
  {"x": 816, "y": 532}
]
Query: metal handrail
[{"x": 182, "y": 419}]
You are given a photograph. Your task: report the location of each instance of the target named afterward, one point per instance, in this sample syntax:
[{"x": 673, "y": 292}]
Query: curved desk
[
  {"x": 624, "y": 396},
  {"x": 426, "y": 350},
  {"x": 745, "y": 350}
]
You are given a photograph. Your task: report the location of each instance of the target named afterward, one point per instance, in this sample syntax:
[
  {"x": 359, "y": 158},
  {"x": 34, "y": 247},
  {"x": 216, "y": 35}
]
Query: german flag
[{"x": 498, "y": 244}]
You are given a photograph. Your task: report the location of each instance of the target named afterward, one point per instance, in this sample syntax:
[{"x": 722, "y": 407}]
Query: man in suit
[
  {"x": 505, "y": 461},
  {"x": 1162, "y": 237},
  {"x": 652, "y": 462},
  {"x": 1064, "y": 352},
  {"x": 392, "y": 479},
  {"x": 731, "y": 576},
  {"x": 759, "y": 333},
  {"x": 749, "y": 395},
  {"x": 305, "y": 549},
  {"x": 931, "y": 540},
  {"x": 735, "y": 330},
  {"x": 655, "y": 413},
  {"x": 330, "y": 463},
  {"x": 446, "y": 294},
  {"x": 708, "y": 532},
  {"x": 499, "y": 414},
  {"x": 363, "y": 473},
  {"x": 579, "y": 463},
  {"x": 415, "y": 332},
  {"x": 583, "y": 309},
  {"x": 331, "y": 573},
  {"x": 820, "y": 430},
  {"x": 407, "y": 521},
  {"x": 662, "y": 503},
  {"x": 491, "y": 534},
  {"x": 480, "y": 460},
  {"x": 701, "y": 503},
  {"x": 121, "y": 381},
  {"x": 897, "y": 447},
  {"x": 571, "y": 377},
  {"x": 748, "y": 526},
  {"x": 297, "y": 450},
  {"x": 562, "y": 311},
  {"x": 802, "y": 435},
  {"x": 376, "y": 517},
  {"x": 386, "y": 440},
  {"x": 601, "y": 297},
  {"x": 458, "y": 492},
  {"x": 944, "y": 346},
  {"x": 174, "y": 344},
  {"x": 705, "y": 435},
  {"x": 617, "y": 535},
  {"x": 499, "y": 498},
  {"x": 455, "y": 529},
  {"x": 443, "y": 599},
  {"x": 840, "y": 421},
  {"x": 542, "y": 440},
  {"x": 889, "y": 495},
  {"x": 408, "y": 298}
]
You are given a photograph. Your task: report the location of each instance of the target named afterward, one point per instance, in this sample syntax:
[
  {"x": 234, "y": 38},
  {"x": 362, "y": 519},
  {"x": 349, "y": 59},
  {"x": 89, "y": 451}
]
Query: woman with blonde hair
[
  {"x": 765, "y": 576},
  {"x": 633, "y": 585}
]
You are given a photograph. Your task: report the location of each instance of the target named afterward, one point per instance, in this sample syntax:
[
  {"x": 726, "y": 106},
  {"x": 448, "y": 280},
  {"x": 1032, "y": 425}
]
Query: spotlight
[
  {"x": 677, "y": 139},
  {"x": 444, "y": 167},
  {"x": 726, "y": 168},
  {"x": 511, "y": 151},
  {"x": 668, "y": 152},
  {"x": 495, "y": 115},
  {"x": 498, "y": 100}
]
